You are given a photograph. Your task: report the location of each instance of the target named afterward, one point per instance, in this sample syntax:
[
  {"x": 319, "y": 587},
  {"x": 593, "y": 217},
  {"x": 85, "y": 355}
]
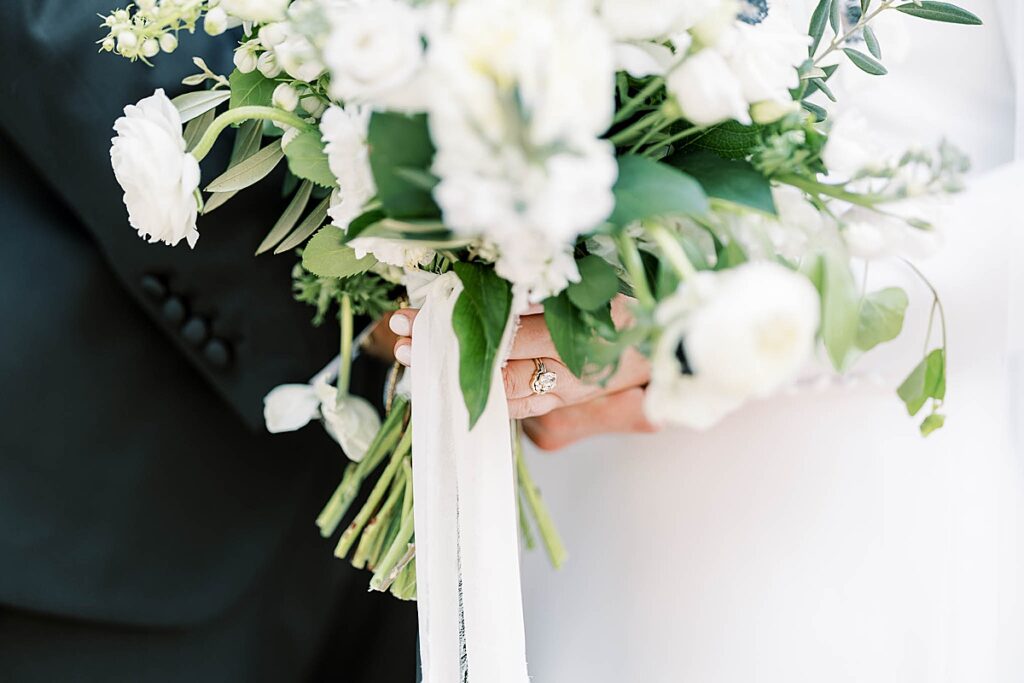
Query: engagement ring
[{"x": 543, "y": 380}]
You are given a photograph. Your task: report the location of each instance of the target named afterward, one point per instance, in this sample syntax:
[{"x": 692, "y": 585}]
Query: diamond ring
[{"x": 543, "y": 379}]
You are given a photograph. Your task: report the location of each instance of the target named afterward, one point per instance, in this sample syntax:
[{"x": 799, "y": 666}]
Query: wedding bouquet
[{"x": 679, "y": 153}]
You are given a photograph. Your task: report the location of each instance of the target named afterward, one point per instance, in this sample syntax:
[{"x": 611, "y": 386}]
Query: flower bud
[
  {"x": 286, "y": 97},
  {"x": 150, "y": 47},
  {"x": 268, "y": 66},
  {"x": 245, "y": 59},
  {"x": 127, "y": 42},
  {"x": 313, "y": 105},
  {"x": 770, "y": 111},
  {"x": 216, "y": 22},
  {"x": 273, "y": 34},
  {"x": 146, "y": 5},
  {"x": 109, "y": 44},
  {"x": 168, "y": 42}
]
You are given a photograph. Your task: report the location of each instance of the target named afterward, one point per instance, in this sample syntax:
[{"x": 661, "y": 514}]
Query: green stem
[
  {"x": 634, "y": 102},
  {"x": 861, "y": 23},
  {"x": 240, "y": 114},
  {"x": 634, "y": 128},
  {"x": 345, "y": 357},
  {"x": 815, "y": 187},
  {"x": 378, "y": 523},
  {"x": 630, "y": 256},
  {"x": 674, "y": 138},
  {"x": 672, "y": 250},
  {"x": 545, "y": 525}
]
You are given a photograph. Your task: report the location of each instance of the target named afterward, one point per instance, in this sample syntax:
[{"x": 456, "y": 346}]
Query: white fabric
[
  {"x": 467, "y": 551},
  {"x": 817, "y": 537}
]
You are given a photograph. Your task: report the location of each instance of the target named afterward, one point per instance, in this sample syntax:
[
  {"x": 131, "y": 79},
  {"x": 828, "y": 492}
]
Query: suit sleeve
[{"x": 231, "y": 313}]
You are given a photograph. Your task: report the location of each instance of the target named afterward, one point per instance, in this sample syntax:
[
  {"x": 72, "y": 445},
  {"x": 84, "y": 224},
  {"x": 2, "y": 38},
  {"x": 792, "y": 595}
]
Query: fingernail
[
  {"x": 403, "y": 354},
  {"x": 400, "y": 325}
]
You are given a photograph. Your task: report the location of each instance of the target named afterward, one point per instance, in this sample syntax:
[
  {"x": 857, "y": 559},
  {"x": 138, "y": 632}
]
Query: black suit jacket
[{"x": 137, "y": 484}]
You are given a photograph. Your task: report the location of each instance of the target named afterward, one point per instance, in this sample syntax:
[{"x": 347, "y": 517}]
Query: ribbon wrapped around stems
[{"x": 467, "y": 544}]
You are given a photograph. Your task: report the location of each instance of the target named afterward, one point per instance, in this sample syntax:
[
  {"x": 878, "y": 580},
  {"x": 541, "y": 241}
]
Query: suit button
[
  {"x": 195, "y": 331},
  {"x": 174, "y": 310},
  {"x": 217, "y": 353},
  {"x": 154, "y": 287}
]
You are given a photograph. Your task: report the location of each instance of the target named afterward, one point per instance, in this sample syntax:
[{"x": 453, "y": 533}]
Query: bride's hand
[{"x": 617, "y": 404}]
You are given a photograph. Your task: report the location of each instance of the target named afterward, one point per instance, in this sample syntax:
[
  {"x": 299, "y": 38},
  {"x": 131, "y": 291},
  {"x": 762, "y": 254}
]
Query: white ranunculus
[
  {"x": 393, "y": 252},
  {"x": 755, "y": 331},
  {"x": 373, "y": 48},
  {"x": 344, "y": 131},
  {"x": 259, "y": 11},
  {"x": 160, "y": 179},
  {"x": 290, "y": 407},
  {"x": 642, "y": 59},
  {"x": 353, "y": 421},
  {"x": 764, "y": 57},
  {"x": 707, "y": 90}
]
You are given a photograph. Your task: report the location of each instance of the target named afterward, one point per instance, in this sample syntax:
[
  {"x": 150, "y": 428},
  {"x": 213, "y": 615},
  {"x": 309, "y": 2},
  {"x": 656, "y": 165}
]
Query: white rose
[
  {"x": 764, "y": 58},
  {"x": 344, "y": 131},
  {"x": 707, "y": 90},
  {"x": 259, "y": 11},
  {"x": 372, "y": 48},
  {"x": 755, "y": 331},
  {"x": 160, "y": 179}
]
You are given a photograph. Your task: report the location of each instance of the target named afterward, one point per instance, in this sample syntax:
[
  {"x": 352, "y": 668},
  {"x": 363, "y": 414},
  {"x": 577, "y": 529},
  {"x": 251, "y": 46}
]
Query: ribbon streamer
[{"x": 467, "y": 543}]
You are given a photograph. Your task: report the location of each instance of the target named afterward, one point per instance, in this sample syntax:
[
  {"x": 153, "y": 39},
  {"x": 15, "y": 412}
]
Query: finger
[
  {"x": 532, "y": 340},
  {"x": 533, "y": 309},
  {"x": 519, "y": 374},
  {"x": 403, "y": 351},
  {"x": 401, "y": 321},
  {"x": 621, "y": 412},
  {"x": 534, "y": 405}
]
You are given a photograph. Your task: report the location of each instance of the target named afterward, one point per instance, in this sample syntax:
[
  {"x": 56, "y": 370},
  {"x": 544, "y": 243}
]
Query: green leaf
[
  {"x": 308, "y": 160},
  {"x": 568, "y": 331},
  {"x": 251, "y": 90},
  {"x": 871, "y": 41},
  {"x": 820, "y": 84},
  {"x": 932, "y": 423},
  {"x": 306, "y": 228},
  {"x": 819, "y": 18},
  {"x": 647, "y": 188},
  {"x": 865, "y": 63},
  {"x": 927, "y": 380},
  {"x": 249, "y": 172},
  {"x": 840, "y": 309},
  {"x": 400, "y": 145},
  {"x": 196, "y": 128},
  {"x": 833, "y": 15},
  {"x": 731, "y": 139},
  {"x": 732, "y": 180},
  {"x": 598, "y": 283},
  {"x": 479, "y": 319},
  {"x": 728, "y": 254},
  {"x": 193, "y": 104},
  {"x": 939, "y": 11},
  {"x": 820, "y": 114},
  {"x": 881, "y": 317},
  {"x": 327, "y": 255},
  {"x": 288, "y": 219},
  {"x": 247, "y": 142}
]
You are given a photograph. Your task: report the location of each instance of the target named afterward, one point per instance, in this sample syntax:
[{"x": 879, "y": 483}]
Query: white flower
[
  {"x": 259, "y": 11},
  {"x": 344, "y": 131},
  {"x": 373, "y": 48},
  {"x": 652, "y": 19},
  {"x": 290, "y": 407},
  {"x": 870, "y": 235},
  {"x": 537, "y": 270},
  {"x": 268, "y": 65},
  {"x": 353, "y": 421},
  {"x": 643, "y": 59},
  {"x": 160, "y": 179},
  {"x": 298, "y": 57},
  {"x": 850, "y": 147},
  {"x": 393, "y": 252},
  {"x": 245, "y": 58},
  {"x": 707, "y": 90},
  {"x": 743, "y": 334},
  {"x": 215, "y": 22},
  {"x": 764, "y": 58},
  {"x": 286, "y": 97}
]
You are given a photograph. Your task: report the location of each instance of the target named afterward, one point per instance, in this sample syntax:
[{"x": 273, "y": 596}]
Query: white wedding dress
[{"x": 816, "y": 537}]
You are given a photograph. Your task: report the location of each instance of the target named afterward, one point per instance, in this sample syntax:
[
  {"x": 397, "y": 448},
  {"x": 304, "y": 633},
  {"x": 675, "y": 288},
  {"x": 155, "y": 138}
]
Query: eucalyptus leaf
[
  {"x": 819, "y": 18},
  {"x": 308, "y": 160},
  {"x": 251, "y": 90},
  {"x": 646, "y": 188},
  {"x": 598, "y": 283},
  {"x": 732, "y": 180},
  {"x": 881, "y": 317},
  {"x": 306, "y": 228},
  {"x": 194, "y": 104},
  {"x": 401, "y": 144},
  {"x": 327, "y": 255},
  {"x": 926, "y": 381},
  {"x": 249, "y": 172},
  {"x": 288, "y": 219},
  {"x": 569, "y": 333},
  {"x": 479, "y": 319},
  {"x": 939, "y": 11},
  {"x": 865, "y": 63},
  {"x": 840, "y": 309}
]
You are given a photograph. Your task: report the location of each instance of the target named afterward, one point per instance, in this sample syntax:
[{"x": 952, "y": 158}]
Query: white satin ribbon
[{"x": 467, "y": 543}]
